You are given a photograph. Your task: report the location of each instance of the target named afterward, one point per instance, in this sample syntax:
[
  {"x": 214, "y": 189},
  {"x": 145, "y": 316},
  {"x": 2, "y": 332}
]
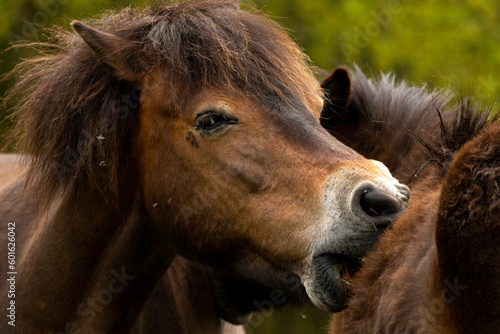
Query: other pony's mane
[
  {"x": 391, "y": 119},
  {"x": 75, "y": 118}
]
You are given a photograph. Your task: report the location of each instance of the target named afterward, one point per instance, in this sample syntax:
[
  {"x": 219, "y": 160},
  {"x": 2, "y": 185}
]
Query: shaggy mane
[
  {"x": 75, "y": 118},
  {"x": 395, "y": 115}
]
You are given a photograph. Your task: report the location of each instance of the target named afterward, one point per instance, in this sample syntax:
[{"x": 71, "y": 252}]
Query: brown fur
[
  {"x": 436, "y": 269},
  {"x": 468, "y": 233},
  {"x": 184, "y": 301}
]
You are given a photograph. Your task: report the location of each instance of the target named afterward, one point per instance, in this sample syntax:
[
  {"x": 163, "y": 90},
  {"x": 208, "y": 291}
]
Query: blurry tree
[
  {"x": 441, "y": 43},
  {"x": 26, "y": 20}
]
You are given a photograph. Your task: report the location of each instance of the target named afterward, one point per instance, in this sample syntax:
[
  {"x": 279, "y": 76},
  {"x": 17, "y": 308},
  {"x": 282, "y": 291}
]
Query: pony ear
[
  {"x": 338, "y": 94},
  {"x": 112, "y": 50}
]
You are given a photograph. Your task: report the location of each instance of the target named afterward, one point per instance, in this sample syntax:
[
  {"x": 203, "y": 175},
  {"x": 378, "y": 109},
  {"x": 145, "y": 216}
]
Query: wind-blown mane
[{"x": 75, "y": 118}]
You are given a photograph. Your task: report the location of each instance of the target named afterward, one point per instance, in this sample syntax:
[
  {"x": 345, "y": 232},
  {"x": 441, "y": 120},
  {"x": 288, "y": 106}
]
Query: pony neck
[{"x": 92, "y": 266}]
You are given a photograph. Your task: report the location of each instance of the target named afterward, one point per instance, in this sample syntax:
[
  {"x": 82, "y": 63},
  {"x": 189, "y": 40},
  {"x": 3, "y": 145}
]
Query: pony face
[
  {"x": 235, "y": 170},
  {"x": 276, "y": 194}
]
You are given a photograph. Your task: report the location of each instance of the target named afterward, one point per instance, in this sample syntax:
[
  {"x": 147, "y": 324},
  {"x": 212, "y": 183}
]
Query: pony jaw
[
  {"x": 327, "y": 286},
  {"x": 328, "y": 278}
]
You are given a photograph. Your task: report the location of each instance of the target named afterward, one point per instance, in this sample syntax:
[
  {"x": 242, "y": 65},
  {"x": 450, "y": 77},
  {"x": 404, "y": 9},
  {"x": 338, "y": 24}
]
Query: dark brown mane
[
  {"x": 391, "y": 119},
  {"x": 387, "y": 106},
  {"x": 457, "y": 125},
  {"x": 75, "y": 118}
]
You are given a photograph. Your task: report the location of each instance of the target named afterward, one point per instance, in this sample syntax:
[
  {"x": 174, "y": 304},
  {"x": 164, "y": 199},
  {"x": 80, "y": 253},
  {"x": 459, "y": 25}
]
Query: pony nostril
[{"x": 377, "y": 203}]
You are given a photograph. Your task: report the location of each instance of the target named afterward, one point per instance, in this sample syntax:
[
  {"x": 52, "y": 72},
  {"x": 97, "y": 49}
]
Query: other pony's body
[{"x": 436, "y": 269}]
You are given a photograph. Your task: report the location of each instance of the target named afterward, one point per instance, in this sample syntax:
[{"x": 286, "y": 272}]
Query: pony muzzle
[{"x": 359, "y": 204}]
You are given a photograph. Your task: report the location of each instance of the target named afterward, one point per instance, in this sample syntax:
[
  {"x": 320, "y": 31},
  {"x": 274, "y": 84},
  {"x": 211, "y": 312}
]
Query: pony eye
[{"x": 211, "y": 121}]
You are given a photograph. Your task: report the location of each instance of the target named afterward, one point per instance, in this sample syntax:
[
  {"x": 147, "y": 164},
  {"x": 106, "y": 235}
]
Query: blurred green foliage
[{"x": 441, "y": 43}]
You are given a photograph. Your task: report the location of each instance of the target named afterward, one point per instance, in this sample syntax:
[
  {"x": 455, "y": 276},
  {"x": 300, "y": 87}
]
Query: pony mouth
[
  {"x": 327, "y": 284},
  {"x": 346, "y": 266}
]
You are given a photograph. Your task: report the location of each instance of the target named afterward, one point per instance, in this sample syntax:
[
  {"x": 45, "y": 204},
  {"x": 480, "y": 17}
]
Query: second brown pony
[{"x": 436, "y": 270}]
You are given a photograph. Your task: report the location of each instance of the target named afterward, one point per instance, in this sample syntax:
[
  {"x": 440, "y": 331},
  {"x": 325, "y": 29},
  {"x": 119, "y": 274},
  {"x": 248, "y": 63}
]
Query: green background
[{"x": 439, "y": 43}]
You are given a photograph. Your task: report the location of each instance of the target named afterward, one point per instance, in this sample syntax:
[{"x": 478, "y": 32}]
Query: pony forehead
[{"x": 202, "y": 45}]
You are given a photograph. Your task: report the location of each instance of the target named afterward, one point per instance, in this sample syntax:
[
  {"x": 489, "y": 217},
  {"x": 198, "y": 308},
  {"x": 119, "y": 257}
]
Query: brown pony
[
  {"x": 187, "y": 129},
  {"x": 436, "y": 270}
]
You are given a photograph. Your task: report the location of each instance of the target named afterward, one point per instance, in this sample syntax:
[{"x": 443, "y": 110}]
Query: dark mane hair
[
  {"x": 392, "y": 118},
  {"x": 74, "y": 117}
]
